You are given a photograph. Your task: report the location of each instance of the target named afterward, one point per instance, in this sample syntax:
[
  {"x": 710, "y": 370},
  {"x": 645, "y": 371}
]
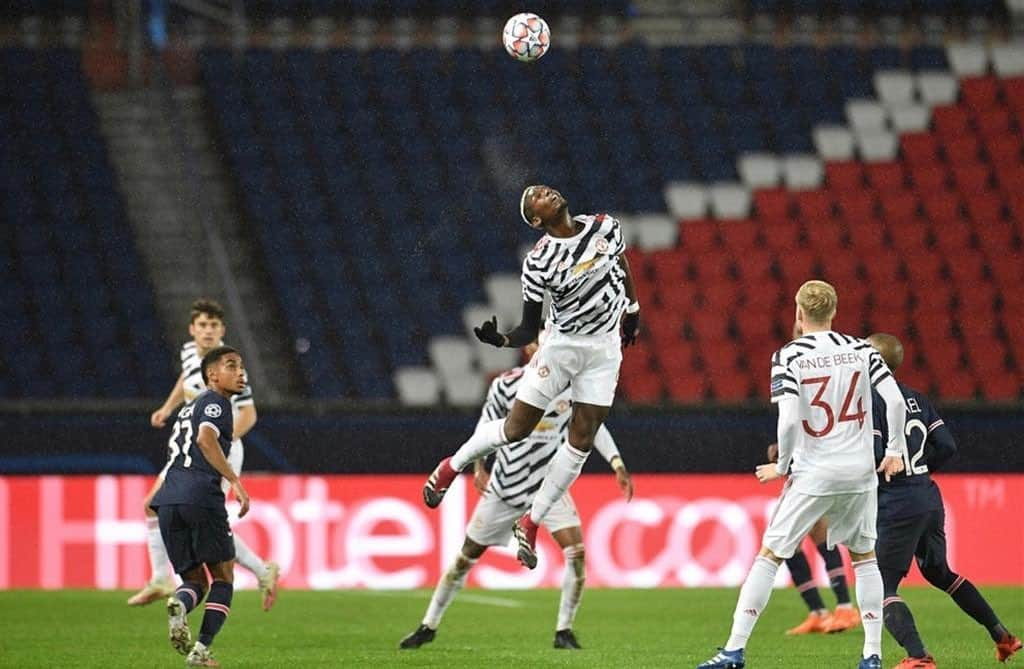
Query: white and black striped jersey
[
  {"x": 831, "y": 375},
  {"x": 583, "y": 276},
  {"x": 191, "y": 368}
]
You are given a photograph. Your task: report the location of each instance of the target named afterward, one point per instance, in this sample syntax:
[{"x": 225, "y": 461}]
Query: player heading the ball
[{"x": 580, "y": 263}]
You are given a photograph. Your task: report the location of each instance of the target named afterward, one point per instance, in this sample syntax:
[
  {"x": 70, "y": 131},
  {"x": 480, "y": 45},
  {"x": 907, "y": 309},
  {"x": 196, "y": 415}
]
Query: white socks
[
  {"x": 572, "y": 586},
  {"x": 159, "y": 563},
  {"x": 869, "y": 599},
  {"x": 753, "y": 598},
  {"x": 247, "y": 558},
  {"x": 485, "y": 440},
  {"x": 564, "y": 469},
  {"x": 449, "y": 585}
]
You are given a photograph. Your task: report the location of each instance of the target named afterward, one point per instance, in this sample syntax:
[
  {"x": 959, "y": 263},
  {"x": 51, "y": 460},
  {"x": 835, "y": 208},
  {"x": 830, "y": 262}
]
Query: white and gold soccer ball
[{"x": 526, "y": 37}]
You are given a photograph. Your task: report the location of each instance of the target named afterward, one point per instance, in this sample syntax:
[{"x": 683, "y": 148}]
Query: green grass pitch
[{"x": 618, "y": 628}]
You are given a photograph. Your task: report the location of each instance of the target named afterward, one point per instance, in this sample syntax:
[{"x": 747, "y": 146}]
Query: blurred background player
[
  {"x": 819, "y": 619},
  {"x": 911, "y": 523},
  {"x": 190, "y": 507},
  {"x": 822, "y": 384},
  {"x": 581, "y": 262},
  {"x": 507, "y": 491},
  {"x": 207, "y": 328}
]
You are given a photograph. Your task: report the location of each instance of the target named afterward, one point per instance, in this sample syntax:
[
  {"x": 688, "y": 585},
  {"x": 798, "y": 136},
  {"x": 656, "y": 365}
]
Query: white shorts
[
  {"x": 491, "y": 524},
  {"x": 236, "y": 456},
  {"x": 590, "y": 363},
  {"x": 851, "y": 521}
]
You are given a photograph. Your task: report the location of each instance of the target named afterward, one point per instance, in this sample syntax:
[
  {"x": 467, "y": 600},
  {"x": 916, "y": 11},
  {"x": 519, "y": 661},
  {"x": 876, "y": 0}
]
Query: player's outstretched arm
[
  {"x": 605, "y": 445},
  {"x": 244, "y": 421},
  {"x": 631, "y": 319},
  {"x": 207, "y": 442},
  {"x": 176, "y": 397},
  {"x": 521, "y": 335},
  {"x": 896, "y": 419}
]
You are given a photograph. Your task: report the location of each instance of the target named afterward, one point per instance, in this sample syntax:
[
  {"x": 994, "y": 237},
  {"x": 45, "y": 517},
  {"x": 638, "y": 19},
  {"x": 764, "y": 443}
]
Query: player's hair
[
  {"x": 213, "y": 357},
  {"x": 205, "y": 305},
  {"x": 889, "y": 347},
  {"x": 818, "y": 301}
]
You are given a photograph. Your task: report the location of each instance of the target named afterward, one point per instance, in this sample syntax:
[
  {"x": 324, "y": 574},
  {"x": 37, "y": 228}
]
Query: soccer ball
[{"x": 526, "y": 37}]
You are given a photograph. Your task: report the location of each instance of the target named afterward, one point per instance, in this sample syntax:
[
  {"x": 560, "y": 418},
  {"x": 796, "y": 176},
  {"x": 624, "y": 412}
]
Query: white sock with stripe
[
  {"x": 754, "y": 595},
  {"x": 572, "y": 586},
  {"x": 159, "y": 563},
  {"x": 564, "y": 470},
  {"x": 486, "y": 439},
  {"x": 449, "y": 585},
  {"x": 870, "y": 593}
]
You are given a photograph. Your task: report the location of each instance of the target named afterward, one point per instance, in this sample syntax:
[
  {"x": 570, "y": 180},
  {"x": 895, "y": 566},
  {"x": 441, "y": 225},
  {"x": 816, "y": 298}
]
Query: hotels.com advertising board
[{"x": 331, "y": 532}]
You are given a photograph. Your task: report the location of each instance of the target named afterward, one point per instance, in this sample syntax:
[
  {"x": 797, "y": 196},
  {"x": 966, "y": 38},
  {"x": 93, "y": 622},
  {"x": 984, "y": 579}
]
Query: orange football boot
[
  {"x": 813, "y": 624},
  {"x": 842, "y": 619},
  {"x": 1007, "y": 646},
  {"x": 926, "y": 662}
]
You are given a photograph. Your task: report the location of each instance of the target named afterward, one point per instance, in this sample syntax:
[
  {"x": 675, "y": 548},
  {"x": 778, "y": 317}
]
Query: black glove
[
  {"x": 488, "y": 333},
  {"x": 630, "y": 328}
]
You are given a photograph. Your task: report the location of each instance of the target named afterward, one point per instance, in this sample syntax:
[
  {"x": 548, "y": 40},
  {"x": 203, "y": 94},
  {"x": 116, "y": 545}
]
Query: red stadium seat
[
  {"x": 815, "y": 206},
  {"x": 739, "y": 236},
  {"x": 882, "y": 268},
  {"x": 924, "y": 269},
  {"x": 773, "y": 205},
  {"x": 965, "y": 149},
  {"x": 857, "y": 206},
  {"x": 826, "y": 236},
  {"x": 755, "y": 324},
  {"x": 687, "y": 389},
  {"x": 939, "y": 298},
  {"x": 1013, "y": 91},
  {"x": 664, "y": 326},
  {"x": 941, "y": 208},
  {"x": 730, "y": 386},
  {"x": 677, "y": 361},
  {"x": 985, "y": 209},
  {"x": 699, "y": 236},
  {"x": 755, "y": 265},
  {"x": 680, "y": 298},
  {"x": 712, "y": 268},
  {"x": 1004, "y": 151},
  {"x": 1008, "y": 273},
  {"x": 918, "y": 378},
  {"x": 887, "y": 177},
  {"x": 952, "y": 238},
  {"x": 979, "y": 329},
  {"x": 844, "y": 176},
  {"x": 708, "y": 326},
  {"x": 996, "y": 238},
  {"x": 929, "y": 178},
  {"x": 841, "y": 268},
  {"x": 721, "y": 297},
  {"x": 979, "y": 93},
  {"x": 866, "y": 235},
  {"x": 782, "y": 236},
  {"x": 993, "y": 123},
  {"x": 1011, "y": 180},
  {"x": 951, "y": 120},
  {"x": 919, "y": 148},
  {"x": 642, "y": 388},
  {"x": 763, "y": 294},
  {"x": 899, "y": 206},
  {"x": 669, "y": 266},
  {"x": 799, "y": 265},
  {"x": 956, "y": 384},
  {"x": 936, "y": 342},
  {"x": 908, "y": 235},
  {"x": 1005, "y": 387},
  {"x": 971, "y": 179}
]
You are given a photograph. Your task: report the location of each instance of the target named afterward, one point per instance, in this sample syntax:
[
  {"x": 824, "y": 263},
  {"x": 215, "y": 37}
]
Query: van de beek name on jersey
[{"x": 823, "y": 361}]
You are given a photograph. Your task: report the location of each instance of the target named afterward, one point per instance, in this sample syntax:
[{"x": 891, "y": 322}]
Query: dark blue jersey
[
  {"x": 929, "y": 446},
  {"x": 190, "y": 479}
]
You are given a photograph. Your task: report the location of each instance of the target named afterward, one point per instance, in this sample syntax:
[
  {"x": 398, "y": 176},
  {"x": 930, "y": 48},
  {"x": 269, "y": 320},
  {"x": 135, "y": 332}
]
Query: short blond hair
[{"x": 818, "y": 300}]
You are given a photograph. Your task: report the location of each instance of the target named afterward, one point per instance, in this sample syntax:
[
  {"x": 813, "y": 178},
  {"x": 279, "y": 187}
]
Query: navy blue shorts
[
  {"x": 195, "y": 535},
  {"x": 921, "y": 537}
]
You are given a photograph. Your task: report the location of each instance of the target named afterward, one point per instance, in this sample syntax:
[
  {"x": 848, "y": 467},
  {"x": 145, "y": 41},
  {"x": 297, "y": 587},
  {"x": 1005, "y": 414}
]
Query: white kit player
[
  {"x": 207, "y": 328},
  {"x": 822, "y": 385},
  {"x": 580, "y": 263},
  {"x": 507, "y": 492}
]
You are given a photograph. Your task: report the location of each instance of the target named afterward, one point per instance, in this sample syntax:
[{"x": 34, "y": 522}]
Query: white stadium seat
[
  {"x": 655, "y": 231},
  {"x": 475, "y": 314},
  {"x": 493, "y": 359},
  {"x": 1008, "y": 59},
  {"x": 894, "y": 86},
  {"x": 730, "y": 201},
  {"x": 417, "y": 386},
  {"x": 865, "y": 115},
  {"x": 759, "y": 170},
  {"x": 967, "y": 60},
  {"x": 833, "y": 142},
  {"x": 937, "y": 87},
  {"x": 465, "y": 390},
  {"x": 802, "y": 171},
  {"x": 686, "y": 199},
  {"x": 630, "y": 233},
  {"x": 505, "y": 293},
  {"x": 451, "y": 355},
  {"x": 909, "y": 117},
  {"x": 877, "y": 145}
]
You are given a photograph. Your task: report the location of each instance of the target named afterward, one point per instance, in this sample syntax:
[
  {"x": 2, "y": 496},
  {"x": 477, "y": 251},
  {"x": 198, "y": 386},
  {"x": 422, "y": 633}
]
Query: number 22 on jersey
[
  {"x": 184, "y": 424},
  {"x": 844, "y": 412}
]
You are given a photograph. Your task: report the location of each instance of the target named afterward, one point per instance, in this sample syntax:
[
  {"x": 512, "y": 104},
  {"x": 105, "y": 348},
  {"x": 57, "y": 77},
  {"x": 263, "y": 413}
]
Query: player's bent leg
[
  {"x": 267, "y": 573},
  {"x": 451, "y": 582},
  {"x": 570, "y": 539},
  {"x": 215, "y": 613},
  {"x": 185, "y": 599},
  {"x": 900, "y": 621}
]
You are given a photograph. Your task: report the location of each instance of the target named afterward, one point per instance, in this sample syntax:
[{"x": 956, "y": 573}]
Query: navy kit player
[
  {"x": 580, "y": 263},
  {"x": 190, "y": 506},
  {"x": 507, "y": 491},
  {"x": 822, "y": 384},
  {"x": 911, "y": 523},
  {"x": 207, "y": 329}
]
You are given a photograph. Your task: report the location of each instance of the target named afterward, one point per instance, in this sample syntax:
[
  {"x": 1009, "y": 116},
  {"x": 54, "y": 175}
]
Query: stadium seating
[
  {"x": 78, "y": 314},
  {"x": 874, "y": 168}
]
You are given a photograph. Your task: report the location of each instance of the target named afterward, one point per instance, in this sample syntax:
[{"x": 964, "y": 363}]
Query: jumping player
[
  {"x": 207, "y": 328},
  {"x": 911, "y": 523},
  {"x": 822, "y": 385},
  {"x": 581, "y": 264},
  {"x": 507, "y": 491},
  {"x": 190, "y": 506}
]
